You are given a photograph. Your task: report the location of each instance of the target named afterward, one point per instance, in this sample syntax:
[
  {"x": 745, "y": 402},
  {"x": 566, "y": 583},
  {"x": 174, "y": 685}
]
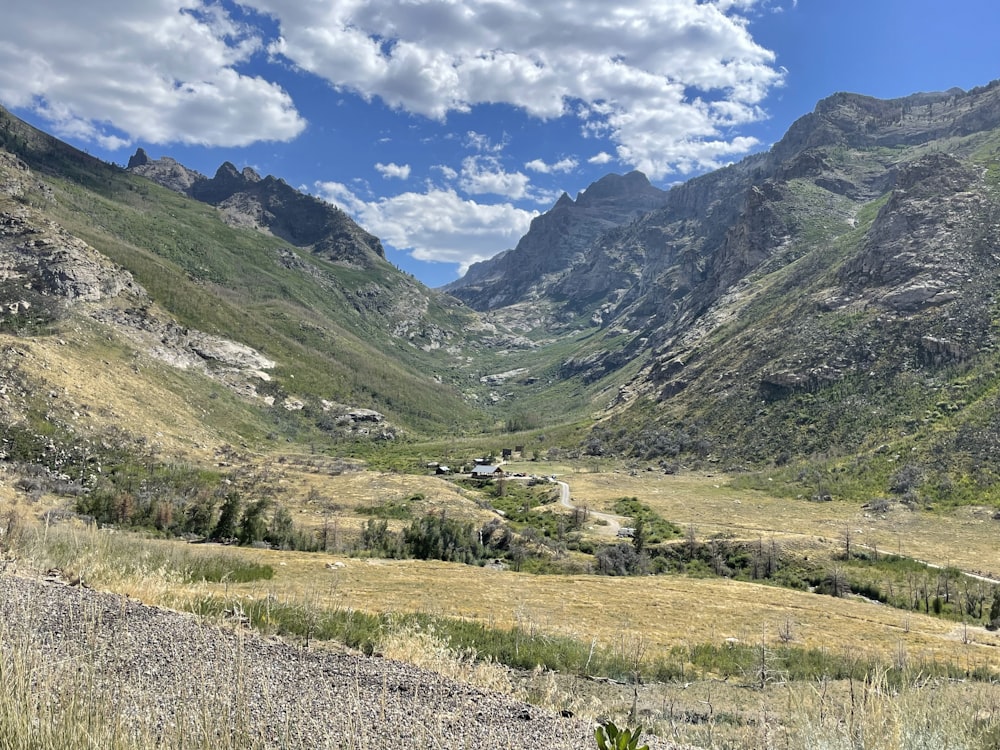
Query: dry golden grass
[
  {"x": 963, "y": 537},
  {"x": 359, "y": 489},
  {"x": 652, "y": 613},
  {"x": 105, "y": 388},
  {"x": 821, "y": 715},
  {"x": 663, "y": 611}
]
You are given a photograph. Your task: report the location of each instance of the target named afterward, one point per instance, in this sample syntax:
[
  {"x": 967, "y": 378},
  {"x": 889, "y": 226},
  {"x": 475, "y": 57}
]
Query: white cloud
[
  {"x": 602, "y": 158},
  {"x": 567, "y": 164},
  {"x": 391, "y": 170},
  {"x": 436, "y": 226},
  {"x": 161, "y": 71},
  {"x": 447, "y": 172},
  {"x": 482, "y": 143},
  {"x": 483, "y": 175},
  {"x": 688, "y": 70}
]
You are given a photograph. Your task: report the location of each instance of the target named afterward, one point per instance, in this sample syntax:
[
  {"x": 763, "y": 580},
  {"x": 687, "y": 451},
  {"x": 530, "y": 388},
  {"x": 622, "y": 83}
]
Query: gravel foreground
[{"x": 168, "y": 670}]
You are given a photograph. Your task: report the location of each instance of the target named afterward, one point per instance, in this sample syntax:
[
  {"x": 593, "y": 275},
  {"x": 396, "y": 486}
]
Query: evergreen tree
[
  {"x": 253, "y": 526},
  {"x": 229, "y": 514}
]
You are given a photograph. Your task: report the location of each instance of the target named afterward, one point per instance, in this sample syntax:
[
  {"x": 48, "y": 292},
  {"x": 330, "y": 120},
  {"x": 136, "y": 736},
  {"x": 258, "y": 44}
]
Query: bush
[{"x": 621, "y": 560}]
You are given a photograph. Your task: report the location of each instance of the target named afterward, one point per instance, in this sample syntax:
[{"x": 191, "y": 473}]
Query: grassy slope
[{"x": 229, "y": 282}]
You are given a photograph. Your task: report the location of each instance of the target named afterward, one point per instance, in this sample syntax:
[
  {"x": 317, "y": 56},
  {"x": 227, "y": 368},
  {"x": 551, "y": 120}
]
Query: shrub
[
  {"x": 621, "y": 560},
  {"x": 610, "y": 737}
]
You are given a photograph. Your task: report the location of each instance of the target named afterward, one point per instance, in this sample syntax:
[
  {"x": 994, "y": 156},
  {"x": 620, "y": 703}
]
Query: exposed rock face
[
  {"x": 165, "y": 171},
  {"x": 50, "y": 261},
  {"x": 909, "y": 258},
  {"x": 247, "y": 200},
  {"x": 556, "y": 241},
  {"x": 239, "y": 366}
]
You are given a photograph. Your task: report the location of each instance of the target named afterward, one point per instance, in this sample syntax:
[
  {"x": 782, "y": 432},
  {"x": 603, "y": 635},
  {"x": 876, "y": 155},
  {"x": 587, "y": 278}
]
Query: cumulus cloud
[
  {"x": 483, "y": 175},
  {"x": 438, "y": 225},
  {"x": 602, "y": 158},
  {"x": 391, "y": 170},
  {"x": 665, "y": 81},
  {"x": 567, "y": 164},
  {"x": 161, "y": 71}
]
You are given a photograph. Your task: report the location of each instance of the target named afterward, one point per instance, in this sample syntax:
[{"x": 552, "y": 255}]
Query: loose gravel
[{"x": 168, "y": 672}]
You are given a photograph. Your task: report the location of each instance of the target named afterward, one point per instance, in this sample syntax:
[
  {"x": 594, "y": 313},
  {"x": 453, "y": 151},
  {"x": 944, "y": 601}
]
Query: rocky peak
[
  {"x": 165, "y": 171},
  {"x": 227, "y": 171},
  {"x": 138, "y": 159},
  {"x": 564, "y": 201},
  {"x": 631, "y": 186},
  {"x": 227, "y": 181}
]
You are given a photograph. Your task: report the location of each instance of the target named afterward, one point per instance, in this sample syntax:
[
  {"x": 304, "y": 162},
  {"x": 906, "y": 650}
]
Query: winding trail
[{"x": 614, "y": 523}]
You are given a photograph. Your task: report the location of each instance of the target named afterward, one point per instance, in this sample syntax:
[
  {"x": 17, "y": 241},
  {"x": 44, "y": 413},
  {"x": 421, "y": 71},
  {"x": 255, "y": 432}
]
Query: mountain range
[{"x": 827, "y": 307}]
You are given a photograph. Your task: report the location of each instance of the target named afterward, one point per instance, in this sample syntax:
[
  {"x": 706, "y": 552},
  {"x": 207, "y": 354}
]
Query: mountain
[
  {"x": 826, "y": 309},
  {"x": 247, "y": 200},
  {"x": 159, "y": 317},
  {"x": 556, "y": 241},
  {"x": 834, "y": 296}
]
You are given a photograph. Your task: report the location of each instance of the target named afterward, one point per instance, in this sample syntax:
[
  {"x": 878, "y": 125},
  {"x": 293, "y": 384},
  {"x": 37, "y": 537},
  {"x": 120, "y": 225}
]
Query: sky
[{"x": 445, "y": 126}]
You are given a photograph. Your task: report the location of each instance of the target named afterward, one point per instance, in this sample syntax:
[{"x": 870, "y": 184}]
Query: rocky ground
[{"x": 164, "y": 671}]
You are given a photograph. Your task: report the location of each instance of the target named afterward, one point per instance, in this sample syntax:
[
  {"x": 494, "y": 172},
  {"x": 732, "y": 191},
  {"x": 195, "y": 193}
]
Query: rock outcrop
[{"x": 165, "y": 171}]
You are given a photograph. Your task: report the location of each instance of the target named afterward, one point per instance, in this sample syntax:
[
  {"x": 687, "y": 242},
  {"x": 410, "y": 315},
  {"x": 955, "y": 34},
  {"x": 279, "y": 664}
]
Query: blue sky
[{"x": 444, "y": 126}]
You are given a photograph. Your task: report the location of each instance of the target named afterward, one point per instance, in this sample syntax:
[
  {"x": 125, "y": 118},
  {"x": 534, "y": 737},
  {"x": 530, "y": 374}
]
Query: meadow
[{"x": 707, "y": 660}]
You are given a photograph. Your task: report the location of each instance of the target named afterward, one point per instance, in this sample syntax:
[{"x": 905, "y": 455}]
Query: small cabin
[{"x": 485, "y": 471}]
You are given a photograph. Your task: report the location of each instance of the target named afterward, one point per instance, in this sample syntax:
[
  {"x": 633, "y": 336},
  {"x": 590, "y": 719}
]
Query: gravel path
[{"x": 168, "y": 669}]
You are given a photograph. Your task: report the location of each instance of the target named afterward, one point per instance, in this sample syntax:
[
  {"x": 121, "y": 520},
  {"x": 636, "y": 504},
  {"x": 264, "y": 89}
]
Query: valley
[{"x": 740, "y": 436}]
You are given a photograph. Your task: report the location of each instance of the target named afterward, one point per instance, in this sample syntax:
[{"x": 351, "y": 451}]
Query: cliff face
[{"x": 556, "y": 242}]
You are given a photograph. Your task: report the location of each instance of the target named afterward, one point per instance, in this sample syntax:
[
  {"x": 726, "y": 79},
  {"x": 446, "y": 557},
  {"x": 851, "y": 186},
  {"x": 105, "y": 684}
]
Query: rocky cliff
[{"x": 556, "y": 242}]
